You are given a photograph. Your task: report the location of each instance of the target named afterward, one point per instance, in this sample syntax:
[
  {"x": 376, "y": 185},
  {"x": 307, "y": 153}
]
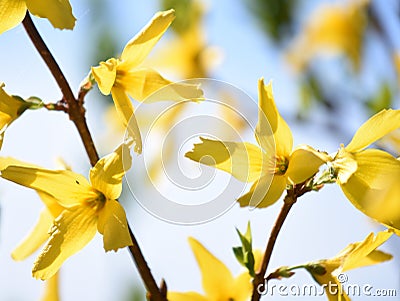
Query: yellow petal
[
  {"x": 372, "y": 188},
  {"x": 51, "y": 204},
  {"x": 242, "y": 160},
  {"x": 37, "y": 237},
  {"x": 189, "y": 296},
  {"x": 66, "y": 186},
  {"x": 106, "y": 175},
  {"x": 112, "y": 224},
  {"x": 11, "y": 13},
  {"x": 51, "y": 292},
  {"x": 105, "y": 75},
  {"x": 374, "y": 128},
  {"x": 124, "y": 108},
  {"x": 270, "y": 121},
  {"x": 345, "y": 165},
  {"x": 304, "y": 162},
  {"x": 364, "y": 253},
  {"x": 71, "y": 232},
  {"x": 139, "y": 46},
  {"x": 216, "y": 278},
  {"x": 148, "y": 85},
  {"x": 10, "y": 107},
  {"x": 58, "y": 12},
  {"x": 264, "y": 193},
  {"x": 242, "y": 288}
]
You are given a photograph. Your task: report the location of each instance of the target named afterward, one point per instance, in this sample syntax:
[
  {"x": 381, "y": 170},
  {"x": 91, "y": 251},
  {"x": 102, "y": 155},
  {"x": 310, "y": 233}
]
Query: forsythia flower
[
  {"x": 11, "y": 107},
  {"x": 367, "y": 176},
  {"x": 274, "y": 164},
  {"x": 218, "y": 281},
  {"x": 332, "y": 28},
  {"x": 354, "y": 256},
  {"x": 122, "y": 77},
  {"x": 58, "y": 12},
  {"x": 75, "y": 209}
]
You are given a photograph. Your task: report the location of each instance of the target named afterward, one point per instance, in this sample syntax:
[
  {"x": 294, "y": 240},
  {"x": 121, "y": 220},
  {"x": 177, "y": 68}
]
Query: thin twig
[
  {"x": 76, "y": 113},
  {"x": 258, "y": 281}
]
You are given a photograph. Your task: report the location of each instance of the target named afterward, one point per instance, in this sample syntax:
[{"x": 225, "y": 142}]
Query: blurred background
[{"x": 333, "y": 64}]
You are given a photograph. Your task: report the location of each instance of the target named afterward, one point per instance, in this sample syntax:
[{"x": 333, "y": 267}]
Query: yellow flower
[
  {"x": 274, "y": 164},
  {"x": 58, "y": 12},
  {"x": 11, "y": 107},
  {"x": 331, "y": 29},
  {"x": 122, "y": 77},
  {"x": 218, "y": 282},
  {"x": 355, "y": 255},
  {"x": 75, "y": 209},
  {"x": 367, "y": 176},
  {"x": 188, "y": 53}
]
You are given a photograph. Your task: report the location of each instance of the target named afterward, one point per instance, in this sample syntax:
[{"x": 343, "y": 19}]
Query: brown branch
[
  {"x": 258, "y": 281},
  {"x": 76, "y": 113}
]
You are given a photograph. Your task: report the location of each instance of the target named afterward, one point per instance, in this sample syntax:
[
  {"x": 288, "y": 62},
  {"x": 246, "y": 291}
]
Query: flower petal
[
  {"x": 189, "y": 296},
  {"x": 51, "y": 292},
  {"x": 139, "y": 46},
  {"x": 216, "y": 278},
  {"x": 58, "y": 12},
  {"x": 364, "y": 253},
  {"x": 242, "y": 287},
  {"x": 106, "y": 175},
  {"x": 373, "y": 187},
  {"x": 264, "y": 193},
  {"x": 112, "y": 224},
  {"x": 105, "y": 75},
  {"x": 304, "y": 162},
  {"x": 38, "y": 236},
  {"x": 124, "y": 108},
  {"x": 11, "y": 13},
  {"x": 244, "y": 161},
  {"x": 71, "y": 232},
  {"x": 270, "y": 122},
  {"x": 374, "y": 128},
  {"x": 67, "y": 187},
  {"x": 148, "y": 85}
]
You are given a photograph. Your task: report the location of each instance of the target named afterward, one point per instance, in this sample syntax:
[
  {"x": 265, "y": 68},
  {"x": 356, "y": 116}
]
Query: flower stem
[
  {"x": 258, "y": 281},
  {"x": 76, "y": 113}
]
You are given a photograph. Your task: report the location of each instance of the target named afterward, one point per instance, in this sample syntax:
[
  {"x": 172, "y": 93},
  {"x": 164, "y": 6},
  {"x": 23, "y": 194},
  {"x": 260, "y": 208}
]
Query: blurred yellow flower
[
  {"x": 355, "y": 255},
  {"x": 75, "y": 209},
  {"x": 188, "y": 53},
  {"x": 331, "y": 29},
  {"x": 11, "y": 107},
  {"x": 271, "y": 167},
  {"x": 218, "y": 282},
  {"x": 367, "y": 176},
  {"x": 122, "y": 77},
  {"x": 58, "y": 12}
]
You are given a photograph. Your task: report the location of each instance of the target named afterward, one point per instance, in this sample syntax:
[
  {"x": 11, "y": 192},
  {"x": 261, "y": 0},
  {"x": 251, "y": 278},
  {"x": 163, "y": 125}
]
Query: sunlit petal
[
  {"x": 71, "y": 231},
  {"x": 106, "y": 175},
  {"x": 112, "y": 224},
  {"x": 105, "y": 75},
  {"x": 11, "y": 13},
  {"x": 58, "y": 12},
  {"x": 264, "y": 193},
  {"x": 374, "y": 128},
  {"x": 139, "y": 46},
  {"x": 37, "y": 237},
  {"x": 244, "y": 161}
]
